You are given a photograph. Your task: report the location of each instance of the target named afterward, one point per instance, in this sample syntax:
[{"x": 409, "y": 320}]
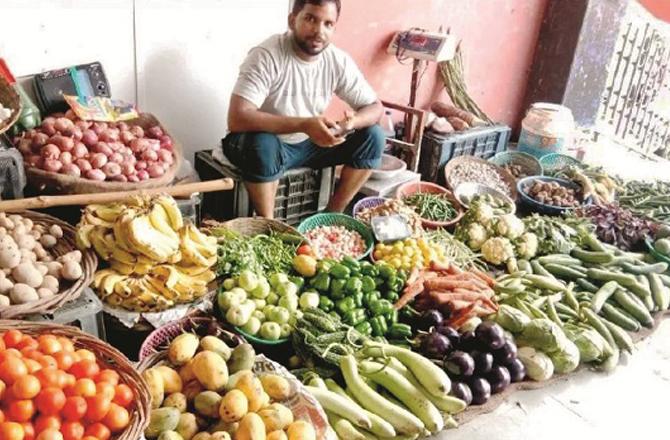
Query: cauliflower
[
  {"x": 476, "y": 236},
  {"x": 483, "y": 213},
  {"x": 526, "y": 245},
  {"x": 497, "y": 250},
  {"x": 509, "y": 226}
]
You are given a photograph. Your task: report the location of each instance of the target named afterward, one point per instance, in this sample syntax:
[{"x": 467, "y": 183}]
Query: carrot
[
  {"x": 409, "y": 293},
  {"x": 413, "y": 276},
  {"x": 470, "y": 296},
  {"x": 461, "y": 316},
  {"x": 444, "y": 283},
  {"x": 484, "y": 277}
]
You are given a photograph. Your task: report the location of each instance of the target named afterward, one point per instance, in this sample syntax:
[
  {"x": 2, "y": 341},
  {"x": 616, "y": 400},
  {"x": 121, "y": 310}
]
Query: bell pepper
[
  {"x": 379, "y": 326},
  {"x": 346, "y": 304},
  {"x": 298, "y": 281},
  {"x": 337, "y": 288},
  {"x": 369, "y": 269},
  {"x": 395, "y": 284},
  {"x": 408, "y": 313},
  {"x": 358, "y": 298},
  {"x": 391, "y": 317},
  {"x": 379, "y": 281},
  {"x": 354, "y": 317},
  {"x": 351, "y": 263},
  {"x": 325, "y": 303},
  {"x": 364, "y": 328},
  {"x": 321, "y": 282},
  {"x": 380, "y": 307},
  {"x": 335, "y": 315},
  {"x": 324, "y": 265},
  {"x": 340, "y": 271},
  {"x": 368, "y": 284},
  {"x": 369, "y": 297},
  {"x": 400, "y": 331},
  {"x": 353, "y": 285},
  {"x": 391, "y": 296},
  {"x": 386, "y": 270}
]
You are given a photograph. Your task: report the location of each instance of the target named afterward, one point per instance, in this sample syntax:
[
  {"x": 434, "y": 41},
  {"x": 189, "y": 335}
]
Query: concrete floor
[{"x": 629, "y": 403}]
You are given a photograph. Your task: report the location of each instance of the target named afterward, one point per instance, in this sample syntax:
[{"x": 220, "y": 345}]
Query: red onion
[
  {"x": 95, "y": 175},
  {"x": 83, "y": 164},
  {"x": 66, "y": 157},
  {"x": 79, "y": 150},
  {"x": 52, "y": 165},
  {"x": 50, "y": 151},
  {"x": 71, "y": 170}
]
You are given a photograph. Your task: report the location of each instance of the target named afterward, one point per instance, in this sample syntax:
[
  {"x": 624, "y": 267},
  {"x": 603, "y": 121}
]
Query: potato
[
  {"x": 26, "y": 241},
  {"x": 242, "y": 358},
  {"x": 28, "y": 224},
  {"x": 251, "y": 428},
  {"x": 176, "y": 400},
  {"x": 50, "y": 282},
  {"x": 192, "y": 389},
  {"x": 277, "y": 435},
  {"x": 207, "y": 403},
  {"x": 187, "y": 426},
  {"x": 43, "y": 292},
  {"x": 22, "y": 294},
  {"x": 186, "y": 372},
  {"x": 6, "y": 223},
  {"x": 301, "y": 430},
  {"x": 212, "y": 343},
  {"x": 6, "y": 286},
  {"x": 10, "y": 257},
  {"x": 277, "y": 387},
  {"x": 54, "y": 268},
  {"x": 154, "y": 380},
  {"x": 56, "y": 231},
  {"x": 276, "y": 417},
  {"x": 40, "y": 253},
  {"x": 170, "y": 435},
  {"x": 251, "y": 386},
  {"x": 210, "y": 369},
  {"x": 162, "y": 419},
  {"x": 48, "y": 241},
  {"x": 234, "y": 406},
  {"x": 43, "y": 269},
  {"x": 202, "y": 436},
  {"x": 183, "y": 348},
  {"x": 27, "y": 273},
  {"x": 71, "y": 256},
  {"x": 171, "y": 379},
  {"x": 230, "y": 428},
  {"x": 71, "y": 270},
  {"x": 220, "y": 435},
  {"x": 5, "y": 301}
]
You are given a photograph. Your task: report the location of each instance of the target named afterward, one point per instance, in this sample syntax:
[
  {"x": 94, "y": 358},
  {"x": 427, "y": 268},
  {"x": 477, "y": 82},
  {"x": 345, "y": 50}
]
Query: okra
[
  {"x": 603, "y": 294},
  {"x": 644, "y": 269},
  {"x": 620, "y": 318},
  {"x": 621, "y": 337},
  {"x": 634, "y": 306},
  {"x": 592, "y": 256},
  {"x": 560, "y": 271},
  {"x": 597, "y": 323},
  {"x": 546, "y": 283},
  {"x": 659, "y": 292}
]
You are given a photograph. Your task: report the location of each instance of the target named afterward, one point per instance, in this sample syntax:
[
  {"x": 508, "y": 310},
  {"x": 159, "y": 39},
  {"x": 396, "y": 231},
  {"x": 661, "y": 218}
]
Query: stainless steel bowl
[{"x": 466, "y": 191}]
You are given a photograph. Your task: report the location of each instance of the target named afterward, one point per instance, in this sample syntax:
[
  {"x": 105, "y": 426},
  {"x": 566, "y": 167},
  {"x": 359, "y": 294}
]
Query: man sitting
[{"x": 276, "y": 119}]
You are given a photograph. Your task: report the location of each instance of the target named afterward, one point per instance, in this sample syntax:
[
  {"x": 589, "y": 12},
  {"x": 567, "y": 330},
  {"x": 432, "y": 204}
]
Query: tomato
[
  {"x": 47, "y": 422},
  {"x": 21, "y": 410},
  {"x": 98, "y": 431},
  {"x": 109, "y": 376},
  {"x": 72, "y": 431},
  {"x": 28, "y": 431},
  {"x": 11, "y": 431},
  {"x": 49, "y": 344},
  {"x": 32, "y": 365},
  {"x": 74, "y": 408},
  {"x": 48, "y": 361},
  {"x": 305, "y": 249},
  {"x": 48, "y": 377},
  {"x": 2, "y": 416},
  {"x": 50, "y": 400},
  {"x": 2, "y": 344},
  {"x": 85, "y": 387},
  {"x": 85, "y": 368},
  {"x": 50, "y": 434},
  {"x": 86, "y": 355},
  {"x": 66, "y": 344},
  {"x": 64, "y": 360},
  {"x": 3, "y": 387},
  {"x": 12, "y": 338},
  {"x": 98, "y": 406},
  {"x": 105, "y": 389},
  {"x": 26, "y": 387},
  {"x": 12, "y": 369},
  {"x": 27, "y": 343},
  {"x": 117, "y": 418},
  {"x": 123, "y": 395},
  {"x": 89, "y": 437}
]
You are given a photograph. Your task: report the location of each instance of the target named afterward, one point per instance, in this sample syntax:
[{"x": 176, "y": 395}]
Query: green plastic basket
[
  {"x": 256, "y": 340},
  {"x": 555, "y": 162},
  {"x": 531, "y": 166},
  {"x": 334, "y": 219},
  {"x": 654, "y": 253}
]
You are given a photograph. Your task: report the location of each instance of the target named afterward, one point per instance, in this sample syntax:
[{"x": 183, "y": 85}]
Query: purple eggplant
[
  {"x": 483, "y": 362},
  {"x": 430, "y": 318},
  {"x": 499, "y": 379},
  {"x": 468, "y": 341},
  {"x": 435, "y": 345},
  {"x": 481, "y": 390},
  {"x": 517, "y": 371},
  {"x": 459, "y": 363},
  {"x": 449, "y": 332},
  {"x": 490, "y": 334},
  {"x": 461, "y": 391},
  {"x": 506, "y": 353}
]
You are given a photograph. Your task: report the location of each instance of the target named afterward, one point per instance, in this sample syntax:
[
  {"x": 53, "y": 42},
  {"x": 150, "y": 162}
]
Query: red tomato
[
  {"x": 11, "y": 431},
  {"x": 98, "y": 406},
  {"x": 123, "y": 395},
  {"x": 72, "y": 431},
  {"x": 21, "y": 410},
  {"x": 12, "y": 338},
  {"x": 117, "y": 418},
  {"x": 85, "y": 368},
  {"x": 47, "y": 422},
  {"x": 305, "y": 249},
  {"x": 98, "y": 431},
  {"x": 74, "y": 408},
  {"x": 50, "y": 400}
]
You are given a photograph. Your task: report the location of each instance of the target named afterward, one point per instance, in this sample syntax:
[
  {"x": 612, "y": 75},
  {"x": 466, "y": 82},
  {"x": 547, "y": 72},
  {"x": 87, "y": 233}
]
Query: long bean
[{"x": 435, "y": 207}]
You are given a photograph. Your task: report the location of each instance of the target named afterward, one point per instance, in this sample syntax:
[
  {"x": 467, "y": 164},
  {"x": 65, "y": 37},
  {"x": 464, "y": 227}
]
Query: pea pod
[
  {"x": 634, "y": 306},
  {"x": 603, "y": 295},
  {"x": 659, "y": 292},
  {"x": 620, "y": 318},
  {"x": 592, "y": 256}
]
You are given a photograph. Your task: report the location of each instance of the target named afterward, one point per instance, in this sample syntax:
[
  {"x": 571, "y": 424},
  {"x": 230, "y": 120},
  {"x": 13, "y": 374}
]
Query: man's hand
[
  {"x": 320, "y": 130},
  {"x": 347, "y": 124}
]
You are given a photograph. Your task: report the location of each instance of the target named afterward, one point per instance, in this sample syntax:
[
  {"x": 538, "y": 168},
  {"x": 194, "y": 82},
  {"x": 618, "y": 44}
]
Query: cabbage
[
  {"x": 544, "y": 335},
  {"x": 511, "y": 319},
  {"x": 538, "y": 365},
  {"x": 566, "y": 360},
  {"x": 592, "y": 346}
]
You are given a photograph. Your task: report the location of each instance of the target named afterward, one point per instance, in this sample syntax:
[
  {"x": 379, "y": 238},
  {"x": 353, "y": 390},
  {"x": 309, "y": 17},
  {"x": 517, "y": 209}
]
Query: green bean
[{"x": 434, "y": 207}]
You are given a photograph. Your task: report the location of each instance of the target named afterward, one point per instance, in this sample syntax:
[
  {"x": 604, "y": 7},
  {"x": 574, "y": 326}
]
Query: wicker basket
[
  {"x": 53, "y": 183},
  {"x": 367, "y": 203},
  {"x": 427, "y": 187},
  {"x": 89, "y": 264},
  {"x": 11, "y": 100},
  {"x": 332, "y": 219},
  {"x": 105, "y": 353},
  {"x": 529, "y": 164},
  {"x": 555, "y": 162},
  {"x": 250, "y": 226},
  {"x": 453, "y": 182}
]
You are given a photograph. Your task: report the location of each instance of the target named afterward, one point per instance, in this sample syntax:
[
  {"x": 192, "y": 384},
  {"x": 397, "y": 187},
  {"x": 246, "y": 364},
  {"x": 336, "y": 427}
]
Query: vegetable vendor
[{"x": 276, "y": 119}]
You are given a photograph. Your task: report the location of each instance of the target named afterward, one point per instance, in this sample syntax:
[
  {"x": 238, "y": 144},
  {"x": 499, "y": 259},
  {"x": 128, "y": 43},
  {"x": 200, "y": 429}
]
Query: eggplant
[
  {"x": 429, "y": 318},
  {"x": 435, "y": 345},
  {"x": 481, "y": 390},
  {"x": 459, "y": 363},
  {"x": 462, "y": 391},
  {"x": 516, "y": 369},
  {"x": 483, "y": 362},
  {"x": 468, "y": 342},
  {"x": 506, "y": 353},
  {"x": 499, "y": 379},
  {"x": 449, "y": 332},
  {"x": 490, "y": 335}
]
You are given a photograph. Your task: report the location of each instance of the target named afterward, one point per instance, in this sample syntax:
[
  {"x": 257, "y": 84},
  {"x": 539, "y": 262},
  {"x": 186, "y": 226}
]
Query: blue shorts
[{"x": 263, "y": 157}]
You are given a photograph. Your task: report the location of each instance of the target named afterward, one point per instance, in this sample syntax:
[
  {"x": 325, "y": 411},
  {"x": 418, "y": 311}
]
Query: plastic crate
[
  {"x": 84, "y": 312},
  {"x": 301, "y": 193},
  {"x": 437, "y": 150}
]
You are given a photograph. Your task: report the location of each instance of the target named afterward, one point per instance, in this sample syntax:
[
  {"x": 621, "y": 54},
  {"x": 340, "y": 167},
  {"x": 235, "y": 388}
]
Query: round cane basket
[
  {"x": 451, "y": 174},
  {"x": 105, "y": 354},
  {"x": 69, "y": 290}
]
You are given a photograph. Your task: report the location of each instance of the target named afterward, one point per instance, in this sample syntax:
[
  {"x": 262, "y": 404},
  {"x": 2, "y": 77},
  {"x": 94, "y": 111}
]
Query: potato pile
[
  {"x": 29, "y": 271},
  {"x": 551, "y": 193},
  {"x": 207, "y": 391}
]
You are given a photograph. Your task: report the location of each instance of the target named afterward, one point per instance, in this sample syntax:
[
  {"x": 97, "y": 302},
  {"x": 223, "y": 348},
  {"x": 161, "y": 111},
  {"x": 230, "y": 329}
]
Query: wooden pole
[{"x": 184, "y": 190}]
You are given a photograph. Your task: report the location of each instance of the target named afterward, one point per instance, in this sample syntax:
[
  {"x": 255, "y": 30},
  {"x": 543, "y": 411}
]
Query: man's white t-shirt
[{"x": 277, "y": 81}]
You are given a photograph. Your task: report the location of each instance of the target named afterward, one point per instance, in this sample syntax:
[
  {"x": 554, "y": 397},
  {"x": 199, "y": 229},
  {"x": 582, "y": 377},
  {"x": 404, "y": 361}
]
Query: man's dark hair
[{"x": 299, "y": 4}]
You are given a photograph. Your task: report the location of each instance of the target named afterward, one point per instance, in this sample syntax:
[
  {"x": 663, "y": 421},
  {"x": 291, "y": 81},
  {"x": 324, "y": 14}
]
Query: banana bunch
[
  {"x": 155, "y": 259},
  {"x": 594, "y": 183}
]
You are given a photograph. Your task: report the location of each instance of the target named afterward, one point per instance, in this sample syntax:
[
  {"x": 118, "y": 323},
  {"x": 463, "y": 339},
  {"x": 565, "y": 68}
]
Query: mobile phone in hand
[{"x": 337, "y": 131}]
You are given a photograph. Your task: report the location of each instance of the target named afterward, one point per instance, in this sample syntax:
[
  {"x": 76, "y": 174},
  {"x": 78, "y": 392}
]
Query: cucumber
[
  {"x": 592, "y": 256},
  {"x": 620, "y": 318},
  {"x": 559, "y": 259},
  {"x": 644, "y": 269},
  {"x": 538, "y": 269},
  {"x": 622, "y": 339},
  {"x": 659, "y": 292},
  {"x": 586, "y": 285},
  {"x": 634, "y": 306},
  {"x": 597, "y": 323},
  {"x": 606, "y": 275},
  {"x": 603, "y": 294},
  {"x": 563, "y": 272}
]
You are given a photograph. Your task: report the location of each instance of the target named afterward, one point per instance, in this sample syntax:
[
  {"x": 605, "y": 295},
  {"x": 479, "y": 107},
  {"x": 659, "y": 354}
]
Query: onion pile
[{"x": 99, "y": 151}]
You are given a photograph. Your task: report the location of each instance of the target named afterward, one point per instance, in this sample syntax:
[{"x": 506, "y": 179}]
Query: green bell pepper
[
  {"x": 369, "y": 269},
  {"x": 353, "y": 285},
  {"x": 321, "y": 282},
  {"x": 298, "y": 281},
  {"x": 351, "y": 263},
  {"x": 378, "y": 281},
  {"x": 364, "y": 328},
  {"x": 346, "y": 304},
  {"x": 392, "y": 316},
  {"x": 400, "y": 331},
  {"x": 380, "y": 307},
  {"x": 392, "y": 296},
  {"x": 340, "y": 271},
  {"x": 368, "y": 284},
  {"x": 358, "y": 298},
  {"x": 337, "y": 288},
  {"x": 386, "y": 270},
  {"x": 354, "y": 317},
  {"x": 395, "y": 284},
  {"x": 369, "y": 297},
  {"x": 379, "y": 326},
  {"x": 325, "y": 303},
  {"x": 324, "y": 265}
]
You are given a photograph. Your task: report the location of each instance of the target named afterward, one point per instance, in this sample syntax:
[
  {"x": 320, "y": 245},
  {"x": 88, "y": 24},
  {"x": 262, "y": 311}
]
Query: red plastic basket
[{"x": 428, "y": 187}]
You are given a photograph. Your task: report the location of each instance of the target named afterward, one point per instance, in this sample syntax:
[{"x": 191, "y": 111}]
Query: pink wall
[
  {"x": 498, "y": 42},
  {"x": 660, "y": 8}
]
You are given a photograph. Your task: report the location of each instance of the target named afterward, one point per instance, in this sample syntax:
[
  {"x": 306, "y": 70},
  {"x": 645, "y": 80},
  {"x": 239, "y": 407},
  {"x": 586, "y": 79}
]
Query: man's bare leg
[
  {"x": 351, "y": 180},
  {"x": 262, "y": 196}
]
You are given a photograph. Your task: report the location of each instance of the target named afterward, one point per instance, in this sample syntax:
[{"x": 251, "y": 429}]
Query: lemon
[
  {"x": 396, "y": 262},
  {"x": 379, "y": 254}
]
